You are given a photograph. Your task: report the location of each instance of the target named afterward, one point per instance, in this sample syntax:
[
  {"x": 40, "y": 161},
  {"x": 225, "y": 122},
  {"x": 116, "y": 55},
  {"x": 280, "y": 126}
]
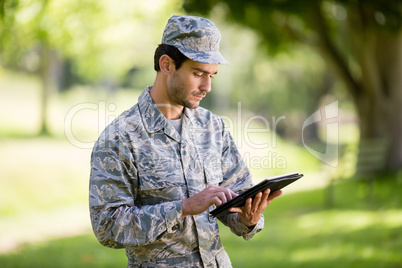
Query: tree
[
  {"x": 362, "y": 41},
  {"x": 36, "y": 29},
  {"x": 102, "y": 39}
]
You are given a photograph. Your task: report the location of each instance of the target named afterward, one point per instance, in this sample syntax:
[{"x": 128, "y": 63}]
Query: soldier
[{"x": 163, "y": 165}]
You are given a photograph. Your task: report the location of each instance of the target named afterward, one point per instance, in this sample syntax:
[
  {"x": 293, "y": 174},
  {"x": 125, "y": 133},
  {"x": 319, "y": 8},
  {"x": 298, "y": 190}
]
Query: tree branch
[{"x": 329, "y": 49}]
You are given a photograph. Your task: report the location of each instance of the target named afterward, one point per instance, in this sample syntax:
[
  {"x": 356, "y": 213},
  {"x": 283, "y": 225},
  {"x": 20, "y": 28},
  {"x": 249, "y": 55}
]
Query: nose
[{"x": 206, "y": 84}]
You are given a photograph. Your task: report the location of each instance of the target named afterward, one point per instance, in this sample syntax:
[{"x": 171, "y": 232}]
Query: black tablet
[{"x": 273, "y": 183}]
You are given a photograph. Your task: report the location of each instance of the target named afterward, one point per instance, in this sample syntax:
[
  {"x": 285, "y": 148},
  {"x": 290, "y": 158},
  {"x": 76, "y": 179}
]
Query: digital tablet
[{"x": 273, "y": 183}]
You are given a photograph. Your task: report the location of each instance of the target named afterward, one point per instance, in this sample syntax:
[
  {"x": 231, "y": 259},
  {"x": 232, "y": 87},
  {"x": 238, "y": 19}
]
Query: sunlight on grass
[
  {"x": 43, "y": 173},
  {"x": 44, "y": 182},
  {"x": 19, "y": 103},
  {"x": 80, "y": 251},
  {"x": 372, "y": 255},
  {"x": 344, "y": 221}
]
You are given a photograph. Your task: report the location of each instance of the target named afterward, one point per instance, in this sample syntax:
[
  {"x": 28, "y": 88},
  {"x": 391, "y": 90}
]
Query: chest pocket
[
  {"x": 213, "y": 174},
  {"x": 209, "y": 150},
  {"x": 160, "y": 181}
]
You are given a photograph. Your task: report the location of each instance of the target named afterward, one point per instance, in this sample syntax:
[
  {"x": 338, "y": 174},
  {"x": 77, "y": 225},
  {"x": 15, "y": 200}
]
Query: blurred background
[{"x": 313, "y": 87}]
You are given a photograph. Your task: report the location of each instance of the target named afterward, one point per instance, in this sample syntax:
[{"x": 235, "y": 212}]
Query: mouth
[{"x": 199, "y": 97}]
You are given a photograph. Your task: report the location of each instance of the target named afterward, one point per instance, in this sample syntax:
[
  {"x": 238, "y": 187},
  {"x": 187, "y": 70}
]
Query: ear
[{"x": 166, "y": 64}]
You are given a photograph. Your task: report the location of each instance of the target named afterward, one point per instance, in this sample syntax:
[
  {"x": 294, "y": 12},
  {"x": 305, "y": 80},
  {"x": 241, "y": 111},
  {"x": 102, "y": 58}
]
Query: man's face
[{"x": 190, "y": 83}]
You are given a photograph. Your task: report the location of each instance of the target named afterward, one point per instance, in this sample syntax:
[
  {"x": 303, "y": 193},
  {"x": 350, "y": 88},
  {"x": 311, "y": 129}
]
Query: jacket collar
[{"x": 155, "y": 121}]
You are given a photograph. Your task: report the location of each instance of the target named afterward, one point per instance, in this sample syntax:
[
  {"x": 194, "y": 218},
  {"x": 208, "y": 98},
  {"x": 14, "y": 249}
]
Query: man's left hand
[{"x": 250, "y": 213}]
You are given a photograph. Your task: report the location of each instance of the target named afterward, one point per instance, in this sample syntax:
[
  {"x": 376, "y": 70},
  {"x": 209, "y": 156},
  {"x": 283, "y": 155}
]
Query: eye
[{"x": 198, "y": 75}]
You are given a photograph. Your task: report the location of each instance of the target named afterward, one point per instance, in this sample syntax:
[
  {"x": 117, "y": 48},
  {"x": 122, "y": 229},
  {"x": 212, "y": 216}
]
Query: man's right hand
[{"x": 213, "y": 195}]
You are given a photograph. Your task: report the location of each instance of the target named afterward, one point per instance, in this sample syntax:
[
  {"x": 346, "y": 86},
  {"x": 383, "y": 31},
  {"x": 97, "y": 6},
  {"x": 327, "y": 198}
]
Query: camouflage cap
[{"x": 197, "y": 38}]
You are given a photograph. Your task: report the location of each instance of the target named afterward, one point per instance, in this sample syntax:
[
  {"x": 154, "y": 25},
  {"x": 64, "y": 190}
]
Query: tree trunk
[
  {"x": 377, "y": 87},
  {"x": 389, "y": 58},
  {"x": 46, "y": 87},
  {"x": 379, "y": 102}
]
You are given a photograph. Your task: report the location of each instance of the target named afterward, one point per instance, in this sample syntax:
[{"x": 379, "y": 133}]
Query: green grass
[
  {"x": 79, "y": 251},
  {"x": 300, "y": 231}
]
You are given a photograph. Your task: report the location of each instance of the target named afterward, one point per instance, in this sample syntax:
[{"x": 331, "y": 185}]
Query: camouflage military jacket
[{"x": 141, "y": 169}]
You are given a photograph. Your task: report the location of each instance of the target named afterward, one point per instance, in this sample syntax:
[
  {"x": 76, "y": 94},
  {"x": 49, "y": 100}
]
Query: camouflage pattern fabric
[
  {"x": 141, "y": 169},
  {"x": 197, "y": 38}
]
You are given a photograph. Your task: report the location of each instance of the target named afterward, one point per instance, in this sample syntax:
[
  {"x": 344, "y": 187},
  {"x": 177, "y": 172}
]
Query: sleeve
[
  {"x": 116, "y": 221},
  {"x": 237, "y": 177}
]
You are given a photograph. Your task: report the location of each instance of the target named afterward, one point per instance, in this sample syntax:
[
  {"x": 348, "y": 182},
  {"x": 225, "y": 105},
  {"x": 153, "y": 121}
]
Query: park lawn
[
  {"x": 44, "y": 194},
  {"x": 300, "y": 231}
]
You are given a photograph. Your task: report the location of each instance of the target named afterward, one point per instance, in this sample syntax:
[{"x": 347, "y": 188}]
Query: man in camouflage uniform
[{"x": 163, "y": 165}]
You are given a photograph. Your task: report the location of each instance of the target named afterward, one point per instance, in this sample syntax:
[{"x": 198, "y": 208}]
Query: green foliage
[
  {"x": 293, "y": 84},
  {"x": 353, "y": 37},
  {"x": 267, "y": 18},
  {"x": 281, "y": 23},
  {"x": 102, "y": 39}
]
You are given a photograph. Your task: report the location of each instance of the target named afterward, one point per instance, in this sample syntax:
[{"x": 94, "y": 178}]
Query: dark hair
[{"x": 173, "y": 52}]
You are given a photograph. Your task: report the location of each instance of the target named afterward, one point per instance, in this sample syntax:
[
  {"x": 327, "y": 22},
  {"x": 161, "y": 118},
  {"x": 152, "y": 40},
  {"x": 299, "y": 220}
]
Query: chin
[{"x": 192, "y": 105}]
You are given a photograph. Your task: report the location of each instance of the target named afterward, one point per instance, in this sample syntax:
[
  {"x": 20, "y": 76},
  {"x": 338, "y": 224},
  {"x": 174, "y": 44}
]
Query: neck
[{"x": 160, "y": 97}]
